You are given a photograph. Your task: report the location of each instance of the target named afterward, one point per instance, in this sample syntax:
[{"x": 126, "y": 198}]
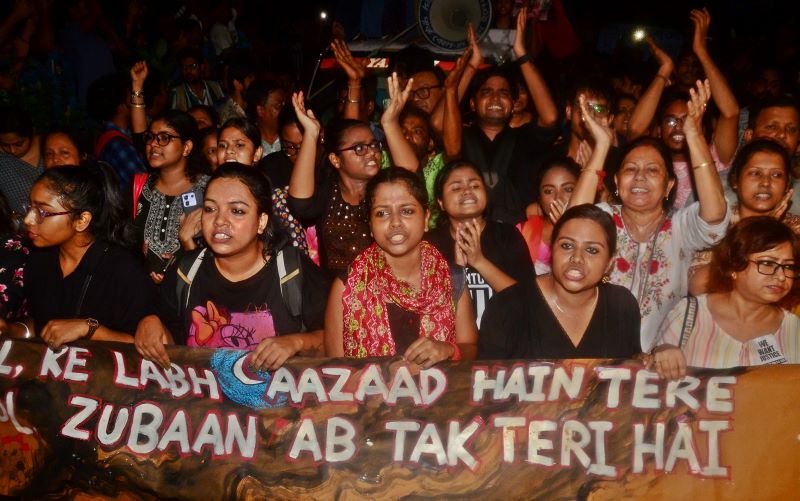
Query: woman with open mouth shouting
[
  {"x": 572, "y": 312},
  {"x": 400, "y": 297},
  {"x": 654, "y": 243},
  {"x": 495, "y": 254},
  {"x": 251, "y": 289}
]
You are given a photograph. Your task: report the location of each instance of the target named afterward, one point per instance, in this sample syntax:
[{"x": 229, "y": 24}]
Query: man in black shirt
[{"x": 508, "y": 158}]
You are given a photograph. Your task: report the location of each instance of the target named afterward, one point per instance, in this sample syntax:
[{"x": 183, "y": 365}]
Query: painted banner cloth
[{"x": 94, "y": 420}]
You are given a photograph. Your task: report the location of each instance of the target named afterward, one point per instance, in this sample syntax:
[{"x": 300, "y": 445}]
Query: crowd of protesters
[{"x": 187, "y": 191}]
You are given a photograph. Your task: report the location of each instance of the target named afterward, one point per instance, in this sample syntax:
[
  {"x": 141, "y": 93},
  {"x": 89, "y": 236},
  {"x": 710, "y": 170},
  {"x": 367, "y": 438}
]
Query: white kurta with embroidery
[{"x": 656, "y": 271}]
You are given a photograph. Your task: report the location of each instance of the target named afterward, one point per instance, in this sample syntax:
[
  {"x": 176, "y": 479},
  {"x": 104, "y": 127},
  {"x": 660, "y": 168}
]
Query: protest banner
[{"x": 95, "y": 420}]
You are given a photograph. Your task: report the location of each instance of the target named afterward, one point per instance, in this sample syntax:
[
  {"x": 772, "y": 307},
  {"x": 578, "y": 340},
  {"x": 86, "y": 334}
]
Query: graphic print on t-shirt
[
  {"x": 480, "y": 292},
  {"x": 216, "y": 327}
]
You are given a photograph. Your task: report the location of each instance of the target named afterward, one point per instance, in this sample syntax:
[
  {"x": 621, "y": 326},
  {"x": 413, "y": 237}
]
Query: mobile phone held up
[
  {"x": 156, "y": 263},
  {"x": 190, "y": 201}
]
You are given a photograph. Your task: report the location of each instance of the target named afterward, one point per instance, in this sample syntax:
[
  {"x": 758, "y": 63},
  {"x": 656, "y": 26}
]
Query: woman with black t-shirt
[
  {"x": 83, "y": 283},
  {"x": 495, "y": 254},
  {"x": 230, "y": 295},
  {"x": 571, "y": 312}
]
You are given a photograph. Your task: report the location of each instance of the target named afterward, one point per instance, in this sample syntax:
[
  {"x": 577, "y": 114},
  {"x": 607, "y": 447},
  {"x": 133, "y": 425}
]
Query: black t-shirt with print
[
  {"x": 225, "y": 314},
  {"x": 502, "y": 244}
]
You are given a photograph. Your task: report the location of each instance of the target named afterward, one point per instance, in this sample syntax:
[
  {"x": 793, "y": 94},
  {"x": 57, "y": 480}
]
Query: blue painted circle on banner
[
  {"x": 426, "y": 26},
  {"x": 244, "y": 387}
]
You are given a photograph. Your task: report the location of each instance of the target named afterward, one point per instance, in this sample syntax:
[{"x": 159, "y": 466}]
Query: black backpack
[{"x": 289, "y": 271}]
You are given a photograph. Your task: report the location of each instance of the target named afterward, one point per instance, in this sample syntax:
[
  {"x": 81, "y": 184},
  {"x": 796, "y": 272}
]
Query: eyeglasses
[
  {"x": 289, "y": 147},
  {"x": 162, "y": 138},
  {"x": 361, "y": 149},
  {"x": 424, "y": 92},
  {"x": 39, "y": 214},
  {"x": 673, "y": 121},
  {"x": 766, "y": 267},
  {"x": 597, "y": 109}
]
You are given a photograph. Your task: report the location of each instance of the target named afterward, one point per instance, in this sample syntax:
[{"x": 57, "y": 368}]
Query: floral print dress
[{"x": 656, "y": 271}]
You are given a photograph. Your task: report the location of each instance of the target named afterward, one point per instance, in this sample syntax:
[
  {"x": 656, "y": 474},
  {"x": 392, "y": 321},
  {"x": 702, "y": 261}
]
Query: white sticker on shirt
[{"x": 766, "y": 351}]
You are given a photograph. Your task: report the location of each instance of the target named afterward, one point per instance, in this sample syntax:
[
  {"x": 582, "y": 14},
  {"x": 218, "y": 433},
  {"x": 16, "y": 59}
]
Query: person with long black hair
[{"x": 83, "y": 283}]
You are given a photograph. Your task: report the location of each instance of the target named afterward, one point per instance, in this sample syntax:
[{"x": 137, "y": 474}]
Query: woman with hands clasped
[
  {"x": 494, "y": 253},
  {"x": 653, "y": 240},
  {"x": 230, "y": 295},
  {"x": 400, "y": 296},
  {"x": 335, "y": 201},
  {"x": 740, "y": 322}
]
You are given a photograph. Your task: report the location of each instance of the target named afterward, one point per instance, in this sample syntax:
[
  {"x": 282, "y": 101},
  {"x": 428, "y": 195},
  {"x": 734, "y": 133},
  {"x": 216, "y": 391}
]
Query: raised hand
[
  {"x": 138, "y": 75},
  {"x": 600, "y": 130},
  {"x": 701, "y": 20},
  {"x": 476, "y": 57},
  {"x": 355, "y": 70},
  {"x": 519, "y": 37},
  {"x": 397, "y": 98},
  {"x": 697, "y": 107},
  {"x": 304, "y": 116},
  {"x": 451, "y": 82},
  {"x": 665, "y": 62}
]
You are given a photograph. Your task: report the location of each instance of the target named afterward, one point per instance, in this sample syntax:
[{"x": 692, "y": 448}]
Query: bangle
[
  {"x": 666, "y": 80},
  {"x": 456, "y": 352},
  {"x": 523, "y": 59},
  {"x": 476, "y": 68},
  {"x": 700, "y": 166},
  {"x": 134, "y": 105},
  {"x": 27, "y": 331},
  {"x": 137, "y": 93}
]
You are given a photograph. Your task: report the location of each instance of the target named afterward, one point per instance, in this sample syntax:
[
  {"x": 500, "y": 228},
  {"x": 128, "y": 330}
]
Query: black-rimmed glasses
[
  {"x": 161, "y": 139},
  {"x": 767, "y": 267},
  {"x": 40, "y": 214},
  {"x": 424, "y": 92},
  {"x": 361, "y": 149}
]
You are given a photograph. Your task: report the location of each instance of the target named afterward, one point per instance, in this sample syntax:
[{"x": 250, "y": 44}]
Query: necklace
[{"x": 554, "y": 299}]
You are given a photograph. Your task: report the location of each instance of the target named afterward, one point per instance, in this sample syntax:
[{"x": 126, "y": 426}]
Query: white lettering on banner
[
  {"x": 8, "y": 412},
  {"x": 430, "y": 442},
  {"x": 8, "y": 370},
  {"x": 339, "y": 441},
  {"x": 504, "y": 386},
  {"x": 51, "y": 366}
]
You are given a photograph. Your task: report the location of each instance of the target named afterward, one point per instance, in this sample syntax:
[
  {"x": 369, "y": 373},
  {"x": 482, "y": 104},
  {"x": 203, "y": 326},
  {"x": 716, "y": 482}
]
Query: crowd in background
[{"x": 584, "y": 190}]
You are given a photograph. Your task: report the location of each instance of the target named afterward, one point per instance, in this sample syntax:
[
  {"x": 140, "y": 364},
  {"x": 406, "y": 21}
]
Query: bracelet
[
  {"x": 476, "y": 68},
  {"x": 523, "y": 59},
  {"x": 137, "y": 93},
  {"x": 700, "y": 166},
  {"x": 134, "y": 105},
  {"x": 27, "y": 331},
  {"x": 456, "y": 352},
  {"x": 666, "y": 80}
]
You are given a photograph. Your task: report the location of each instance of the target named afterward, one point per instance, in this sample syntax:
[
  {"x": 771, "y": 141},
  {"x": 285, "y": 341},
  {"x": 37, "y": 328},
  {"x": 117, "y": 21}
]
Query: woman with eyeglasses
[
  {"x": 165, "y": 203},
  {"x": 761, "y": 178},
  {"x": 335, "y": 202},
  {"x": 83, "y": 283},
  {"x": 655, "y": 242},
  {"x": 740, "y": 322}
]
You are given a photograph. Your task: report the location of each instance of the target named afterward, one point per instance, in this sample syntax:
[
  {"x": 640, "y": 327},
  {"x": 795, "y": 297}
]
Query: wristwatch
[{"x": 93, "y": 325}]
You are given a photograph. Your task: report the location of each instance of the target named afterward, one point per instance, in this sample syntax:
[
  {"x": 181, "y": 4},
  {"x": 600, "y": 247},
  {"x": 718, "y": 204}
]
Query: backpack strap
[
  {"x": 289, "y": 271},
  {"x": 139, "y": 180},
  {"x": 105, "y": 138},
  {"x": 188, "y": 266},
  {"x": 689, "y": 318}
]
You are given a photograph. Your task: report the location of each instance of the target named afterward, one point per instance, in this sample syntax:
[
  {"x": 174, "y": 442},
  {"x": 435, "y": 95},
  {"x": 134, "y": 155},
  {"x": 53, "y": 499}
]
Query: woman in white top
[
  {"x": 741, "y": 322},
  {"x": 654, "y": 243}
]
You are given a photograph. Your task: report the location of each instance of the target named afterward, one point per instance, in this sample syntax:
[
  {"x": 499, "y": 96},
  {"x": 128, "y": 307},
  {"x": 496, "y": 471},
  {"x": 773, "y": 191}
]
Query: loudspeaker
[{"x": 444, "y": 22}]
